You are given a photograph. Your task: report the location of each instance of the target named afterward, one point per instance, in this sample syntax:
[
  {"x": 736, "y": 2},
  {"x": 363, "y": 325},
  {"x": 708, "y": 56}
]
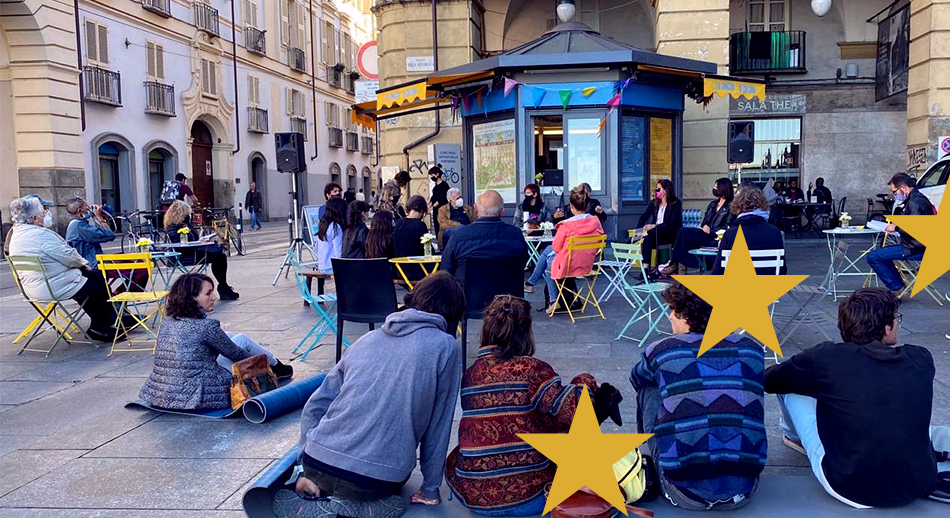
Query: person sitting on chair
[
  {"x": 822, "y": 194},
  {"x": 407, "y": 237},
  {"x": 594, "y": 208},
  {"x": 329, "y": 236},
  {"x": 389, "y": 200},
  {"x": 177, "y": 224},
  {"x": 752, "y": 215},
  {"x": 87, "y": 231},
  {"x": 662, "y": 220},
  {"x": 532, "y": 209},
  {"x": 379, "y": 240},
  {"x": 718, "y": 217},
  {"x": 794, "y": 192},
  {"x": 453, "y": 215},
  {"x": 354, "y": 238}
]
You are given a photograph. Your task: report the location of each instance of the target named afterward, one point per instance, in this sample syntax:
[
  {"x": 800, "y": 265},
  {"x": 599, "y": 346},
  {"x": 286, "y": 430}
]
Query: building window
[
  {"x": 250, "y": 13},
  {"x": 332, "y": 115},
  {"x": 293, "y": 28},
  {"x": 768, "y": 15},
  {"x": 209, "y": 78},
  {"x": 253, "y": 90},
  {"x": 155, "y": 58},
  {"x": 777, "y": 151},
  {"x": 97, "y": 44}
]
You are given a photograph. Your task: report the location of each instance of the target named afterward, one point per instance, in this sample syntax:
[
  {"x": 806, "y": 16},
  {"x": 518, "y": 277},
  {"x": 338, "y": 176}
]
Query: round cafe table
[
  {"x": 702, "y": 255},
  {"x": 844, "y": 266},
  {"x": 428, "y": 264}
]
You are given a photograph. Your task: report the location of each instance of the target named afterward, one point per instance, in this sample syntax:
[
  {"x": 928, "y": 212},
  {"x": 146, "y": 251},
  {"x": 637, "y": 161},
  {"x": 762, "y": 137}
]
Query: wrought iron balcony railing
[
  {"x": 352, "y": 141},
  {"x": 206, "y": 19},
  {"x": 336, "y": 137},
  {"x": 767, "y": 52},
  {"x": 102, "y": 86},
  {"x": 299, "y": 125},
  {"x": 367, "y": 148},
  {"x": 159, "y": 98},
  {"x": 257, "y": 120},
  {"x": 297, "y": 59},
  {"x": 160, "y": 7},
  {"x": 254, "y": 40}
]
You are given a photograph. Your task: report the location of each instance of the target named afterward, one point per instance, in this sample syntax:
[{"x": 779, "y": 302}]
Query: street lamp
[
  {"x": 820, "y": 7},
  {"x": 565, "y": 10}
]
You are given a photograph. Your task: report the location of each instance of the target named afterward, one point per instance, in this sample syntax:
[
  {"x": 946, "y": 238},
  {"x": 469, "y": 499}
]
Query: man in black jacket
[
  {"x": 254, "y": 204},
  {"x": 860, "y": 410},
  {"x": 904, "y": 190}
]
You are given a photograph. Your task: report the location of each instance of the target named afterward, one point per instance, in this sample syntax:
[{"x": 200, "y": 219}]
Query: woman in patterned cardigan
[{"x": 504, "y": 393}]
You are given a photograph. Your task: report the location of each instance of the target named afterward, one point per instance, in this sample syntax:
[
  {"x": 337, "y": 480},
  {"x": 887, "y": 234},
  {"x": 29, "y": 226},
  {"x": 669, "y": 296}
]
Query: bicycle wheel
[
  {"x": 238, "y": 240},
  {"x": 128, "y": 244}
]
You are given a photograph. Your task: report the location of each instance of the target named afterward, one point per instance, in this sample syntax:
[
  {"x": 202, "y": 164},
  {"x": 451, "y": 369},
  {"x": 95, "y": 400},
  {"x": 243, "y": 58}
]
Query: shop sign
[{"x": 774, "y": 104}]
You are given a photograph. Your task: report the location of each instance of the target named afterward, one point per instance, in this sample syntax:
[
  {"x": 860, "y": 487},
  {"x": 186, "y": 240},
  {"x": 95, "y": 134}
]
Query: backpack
[
  {"x": 637, "y": 476},
  {"x": 170, "y": 191}
]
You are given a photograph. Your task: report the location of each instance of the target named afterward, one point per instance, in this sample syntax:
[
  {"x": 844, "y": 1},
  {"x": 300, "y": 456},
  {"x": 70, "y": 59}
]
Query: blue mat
[{"x": 211, "y": 414}]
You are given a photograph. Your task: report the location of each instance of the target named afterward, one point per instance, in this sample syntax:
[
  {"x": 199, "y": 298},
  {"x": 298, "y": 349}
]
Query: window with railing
[
  {"x": 367, "y": 148},
  {"x": 254, "y": 40},
  {"x": 770, "y": 52},
  {"x": 352, "y": 141},
  {"x": 206, "y": 18},
  {"x": 257, "y": 120},
  {"x": 350, "y": 83},
  {"x": 102, "y": 86},
  {"x": 299, "y": 125},
  {"x": 159, "y": 7},
  {"x": 335, "y": 75},
  {"x": 336, "y": 137},
  {"x": 297, "y": 58},
  {"x": 159, "y": 98}
]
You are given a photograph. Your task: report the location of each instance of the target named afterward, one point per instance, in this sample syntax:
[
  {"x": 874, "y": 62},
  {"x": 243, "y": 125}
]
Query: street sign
[
  {"x": 366, "y": 91},
  {"x": 420, "y": 64},
  {"x": 943, "y": 148},
  {"x": 367, "y": 60}
]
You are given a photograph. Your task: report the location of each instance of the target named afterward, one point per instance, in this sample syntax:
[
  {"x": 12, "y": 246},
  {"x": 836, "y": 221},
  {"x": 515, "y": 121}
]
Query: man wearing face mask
[
  {"x": 881, "y": 260},
  {"x": 452, "y": 215}
]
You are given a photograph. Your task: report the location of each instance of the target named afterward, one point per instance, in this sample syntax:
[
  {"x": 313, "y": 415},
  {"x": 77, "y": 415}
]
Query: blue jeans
[
  {"x": 542, "y": 269},
  {"x": 254, "y": 221},
  {"x": 882, "y": 262},
  {"x": 532, "y": 507}
]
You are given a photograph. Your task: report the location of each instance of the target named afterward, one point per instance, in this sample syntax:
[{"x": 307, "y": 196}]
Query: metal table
[
  {"x": 811, "y": 225},
  {"x": 849, "y": 267},
  {"x": 701, "y": 255},
  {"x": 535, "y": 249},
  {"x": 198, "y": 267},
  {"x": 422, "y": 261}
]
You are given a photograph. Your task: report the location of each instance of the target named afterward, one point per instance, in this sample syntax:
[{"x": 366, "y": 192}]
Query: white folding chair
[{"x": 770, "y": 259}]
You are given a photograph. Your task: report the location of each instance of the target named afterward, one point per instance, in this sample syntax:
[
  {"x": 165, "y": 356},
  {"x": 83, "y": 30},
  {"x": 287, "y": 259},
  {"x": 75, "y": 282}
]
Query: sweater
[
  {"x": 392, "y": 392},
  {"x": 492, "y": 468},
  {"x": 332, "y": 247},
  {"x": 582, "y": 261},
  {"x": 711, "y": 423},
  {"x": 873, "y": 412},
  {"x": 61, "y": 261}
]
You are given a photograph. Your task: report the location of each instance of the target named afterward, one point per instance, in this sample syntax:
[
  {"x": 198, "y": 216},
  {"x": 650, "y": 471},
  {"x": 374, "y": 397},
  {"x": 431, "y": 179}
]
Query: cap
[{"x": 43, "y": 202}]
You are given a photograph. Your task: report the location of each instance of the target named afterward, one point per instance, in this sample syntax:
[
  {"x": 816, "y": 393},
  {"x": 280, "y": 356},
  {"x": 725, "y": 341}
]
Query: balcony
[
  {"x": 335, "y": 75},
  {"x": 297, "y": 59},
  {"x": 336, "y": 137},
  {"x": 159, "y": 98},
  {"x": 162, "y": 8},
  {"x": 351, "y": 79},
  {"x": 206, "y": 19},
  {"x": 102, "y": 86},
  {"x": 367, "y": 148},
  {"x": 257, "y": 120},
  {"x": 254, "y": 41},
  {"x": 775, "y": 52},
  {"x": 299, "y": 125},
  {"x": 352, "y": 141}
]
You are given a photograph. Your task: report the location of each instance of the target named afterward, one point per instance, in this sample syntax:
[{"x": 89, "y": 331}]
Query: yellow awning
[
  {"x": 734, "y": 88},
  {"x": 402, "y": 95}
]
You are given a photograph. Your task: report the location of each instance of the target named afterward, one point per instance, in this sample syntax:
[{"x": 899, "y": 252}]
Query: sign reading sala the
[{"x": 774, "y": 104}]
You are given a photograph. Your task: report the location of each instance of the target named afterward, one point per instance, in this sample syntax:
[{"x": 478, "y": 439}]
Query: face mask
[
  {"x": 899, "y": 197},
  {"x": 48, "y": 220},
  {"x": 659, "y": 195},
  {"x": 395, "y": 199},
  {"x": 459, "y": 202},
  {"x": 715, "y": 193}
]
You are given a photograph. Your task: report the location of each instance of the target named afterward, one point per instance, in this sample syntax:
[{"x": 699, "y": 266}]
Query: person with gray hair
[
  {"x": 66, "y": 270},
  {"x": 87, "y": 229},
  {"x": 488, "y": 237},
  {"x": 44, "y": 204},
  {"x": 453, "y": 215}
]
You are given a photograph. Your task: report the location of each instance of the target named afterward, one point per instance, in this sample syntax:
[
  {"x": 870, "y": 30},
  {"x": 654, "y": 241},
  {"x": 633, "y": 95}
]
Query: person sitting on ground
[
  {"x": 379, "y": 240},
  {"x": 752, "y": 215},
  {"x": 354, "y": 238},
  {"x": 488, "y": 237},
  {"x": 193, "y": 355},
  {"x": 68, "y": 273},
  {"x": 532, "y": 209},
  {"x": 87, "y": 231},
  {"x": 407, "y": 237},
  {"x": 177, "y": 224},
  {"x": 706, "y": 412},
  {"x": 506, "y": 392},
  {"x": 552, "y": 264},
  {"x": 881, "y": 260},
  {"x": 329, "y": 236},
  {"x": 718, "y": 217},
  {"x": 389, "y": 200},
  {"x": 453, "y": 214},
  {"x": 835, "y": 395},
  {"x": 360, "y": 471},
  {"x": 662, "y": 220},
  {"x": 594, "y": 208},
  {"x": 330, "y": 190}
]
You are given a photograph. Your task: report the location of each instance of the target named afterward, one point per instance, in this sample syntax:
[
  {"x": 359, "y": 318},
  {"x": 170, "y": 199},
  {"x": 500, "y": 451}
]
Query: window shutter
[
  {"x": 336, "y": 46},
  {"x": 326, "y": 113},
  {"x": 325, "y": 32},
  {"x": 150, "y": 60},
  {"x": 213, "y": 77},
  {"x": 103, "y": 45},
  {"x": 159, "y": 62},
  {"x": 292, "y": 17},
  {"x": 250, "y": 90},
  {"x": 301, "y": 28},
  {"x": 204, "y": 76},
  {"x": 92, "y": 43},
  {"x": 289, "y": 101},
  {"x": 250, "y": 13},
  {"x": 284, "y": 21}
]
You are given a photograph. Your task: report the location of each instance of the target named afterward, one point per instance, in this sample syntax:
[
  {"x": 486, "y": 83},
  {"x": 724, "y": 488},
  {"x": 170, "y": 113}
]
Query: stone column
[
  {"x": 928, "y": 91},
  {"x": 699, "y": 29}
]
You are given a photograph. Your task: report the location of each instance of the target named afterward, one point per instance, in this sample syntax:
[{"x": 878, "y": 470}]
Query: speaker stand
[{"x": 295, "y": 250}]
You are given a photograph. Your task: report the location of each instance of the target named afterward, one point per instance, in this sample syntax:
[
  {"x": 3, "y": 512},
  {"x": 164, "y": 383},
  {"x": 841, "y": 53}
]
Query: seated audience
[
  {"x": 389, "y": 200},
  {"x": 881, "y": 260},
  {"x": 822, "y": 193},
  {"x": 357, "y": 465},
  {"x": 193, "y": 355},
  {"x": 706, "y": 413},
  {"x": 407, "y": 237},
  {"x": 718, "y": 217},
  {"x": 752, "y": 215},
  {"x": 662, "y": 219},
  {"x": 594, "y": 208},
  {"x": 506, "y": 392},
  {"x": 861, "y": 409},
  {"x": 354, "y": 238},
  {"x": 794, "y": 193},
  {"x": 379, "y": 240},
  {"x": 329, "y": 236},
  {"x": 87, "y": 231},
  {"x": 46, "y": 204},
  {"x": 532, "y": 209},
  {"x": 453, "y": 214},
  {"x": 553, "y": 261},
  {"x": 68, "y": 273},
  {"x": 177, "y": 218},
  {"x": 488, "y": 237}
]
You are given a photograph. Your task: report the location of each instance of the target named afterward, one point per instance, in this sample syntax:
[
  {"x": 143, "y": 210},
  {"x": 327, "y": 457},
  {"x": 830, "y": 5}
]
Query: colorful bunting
[
  {"x": 565, "y": 98},
  {"x": 478, "y": 97},
  {"x": 589, "y": 90},
  {"x": 538, "y": 96},
  {"x": 614, "y": 101},
  {"x": 510, "y": 85}
]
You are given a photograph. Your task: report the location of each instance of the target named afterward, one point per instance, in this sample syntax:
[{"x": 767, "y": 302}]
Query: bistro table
[
  {"x": 198, "y": 267},
  {"x": 166, "y": 263},
  {"x": 432, "y": 262},
  {"x": 849, "y": 267},
  {"x": 810, "y": 215},
  {"x": 535, "y": 247},
  {"x": 702, "y": 255}
]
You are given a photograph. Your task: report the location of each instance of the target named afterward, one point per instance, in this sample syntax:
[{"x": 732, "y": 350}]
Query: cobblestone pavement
[{"x": 69, "y": 448}]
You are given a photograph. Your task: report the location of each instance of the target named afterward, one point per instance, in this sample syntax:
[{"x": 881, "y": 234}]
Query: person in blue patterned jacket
[{"x": 706, "y": 412}]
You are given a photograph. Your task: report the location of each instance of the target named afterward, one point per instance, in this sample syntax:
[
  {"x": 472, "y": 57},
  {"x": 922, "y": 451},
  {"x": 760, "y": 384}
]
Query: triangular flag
[
  {"x": 600, "y": 127},
  {"x": 465, "y": 103},
  {"x": 509, "y": 85},
  {"x": 538, "y": 96},
  {"x": 614, "y": 101},
  {"x": 565, "y": 98},
  {"x": 478, "y": 98},
  {"x": 589, "y": 90}
]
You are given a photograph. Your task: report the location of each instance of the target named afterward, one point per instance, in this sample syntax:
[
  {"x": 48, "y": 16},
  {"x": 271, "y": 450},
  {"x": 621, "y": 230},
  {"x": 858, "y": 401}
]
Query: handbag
[
  {"x": 584, "y": 503},
  {"x": 251, "y": 377}
]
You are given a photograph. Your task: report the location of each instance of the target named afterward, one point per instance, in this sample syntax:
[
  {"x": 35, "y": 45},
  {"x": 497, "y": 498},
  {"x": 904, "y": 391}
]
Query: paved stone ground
[{"x": 69, "y": 448}]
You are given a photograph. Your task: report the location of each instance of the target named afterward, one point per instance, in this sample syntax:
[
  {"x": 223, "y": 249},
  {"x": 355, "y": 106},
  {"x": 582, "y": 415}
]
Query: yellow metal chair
[
  {"x": 138, "y": 303},
  {"x": 53, "y": 314},
  {"x": 908, "y": 271},
  {"x": 580, "y": 244}
]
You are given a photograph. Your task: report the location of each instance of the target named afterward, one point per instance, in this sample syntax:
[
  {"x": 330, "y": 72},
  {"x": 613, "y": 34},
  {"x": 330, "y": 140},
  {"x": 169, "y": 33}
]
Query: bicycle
[
  {"x": 135, "y": 229},
  {"x": 227, "y": 233}
]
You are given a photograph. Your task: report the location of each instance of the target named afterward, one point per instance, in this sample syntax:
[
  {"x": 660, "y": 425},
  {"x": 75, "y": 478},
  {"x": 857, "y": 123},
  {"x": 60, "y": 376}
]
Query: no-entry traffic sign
[{"x": 367, "y": 60}]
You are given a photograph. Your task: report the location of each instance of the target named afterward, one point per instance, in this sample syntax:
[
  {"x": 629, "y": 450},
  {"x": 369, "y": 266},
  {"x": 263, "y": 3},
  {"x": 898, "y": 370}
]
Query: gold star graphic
[
  {"x": 584, "y": 456},
  {"x": 740, "y": 298},
  {"x": 932, "y": 232}
]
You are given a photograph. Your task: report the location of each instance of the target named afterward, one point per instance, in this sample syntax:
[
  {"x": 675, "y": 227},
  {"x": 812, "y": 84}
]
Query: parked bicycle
[
  {"x": 228, "y": 234},
  {"x": 138, "y": 225}
]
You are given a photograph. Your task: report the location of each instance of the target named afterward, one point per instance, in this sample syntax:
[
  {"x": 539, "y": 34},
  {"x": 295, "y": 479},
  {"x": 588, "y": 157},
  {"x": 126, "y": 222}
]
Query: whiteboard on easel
[{"x": 310, "y": 216}]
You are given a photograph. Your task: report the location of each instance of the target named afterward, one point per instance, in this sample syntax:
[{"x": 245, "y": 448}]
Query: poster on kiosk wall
[{"x": 493, "y": 158}]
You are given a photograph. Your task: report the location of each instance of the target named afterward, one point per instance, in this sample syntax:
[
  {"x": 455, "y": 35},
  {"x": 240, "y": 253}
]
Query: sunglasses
[
  {"x": 657, "y": 189},
  {"x": 899, "y": 318}
]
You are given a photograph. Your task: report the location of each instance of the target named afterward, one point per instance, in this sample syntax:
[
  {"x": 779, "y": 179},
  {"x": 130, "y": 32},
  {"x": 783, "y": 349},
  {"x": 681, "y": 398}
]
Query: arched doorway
[
  {"x": 365, "y": 183},
  {"x": 112, "y": 177},
  {"x": 109, "y": 185},
  {"x": 351, "y": 179},
  {"x": 161, "y": 165},
  {"x": 257, "y": 174},
  {"x": 335, "y": 173},
  {"x": 201, "y": 164}
]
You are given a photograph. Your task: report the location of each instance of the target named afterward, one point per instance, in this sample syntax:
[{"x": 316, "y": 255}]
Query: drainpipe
[
  {"x": 82, "y": 105},
  {"x": 435, "y": 66},
  {"x": 313, "y": 86},
  {"x": 237, "y": 104}
]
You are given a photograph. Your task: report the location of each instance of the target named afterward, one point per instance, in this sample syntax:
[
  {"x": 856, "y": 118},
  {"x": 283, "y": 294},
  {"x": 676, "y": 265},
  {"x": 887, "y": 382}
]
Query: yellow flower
[
  {"x": 184, "y": 230},
  {"x": 427, "y": 238},
  {"x": 144, "y": 242}
]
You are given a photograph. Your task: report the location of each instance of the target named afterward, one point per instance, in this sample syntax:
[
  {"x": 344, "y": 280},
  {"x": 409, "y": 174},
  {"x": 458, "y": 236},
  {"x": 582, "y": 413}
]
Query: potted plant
[{"x": 845, "y": 220}]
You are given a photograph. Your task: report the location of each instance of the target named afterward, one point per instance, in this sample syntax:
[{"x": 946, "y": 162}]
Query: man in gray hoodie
[{"x": 393, "y": 391}]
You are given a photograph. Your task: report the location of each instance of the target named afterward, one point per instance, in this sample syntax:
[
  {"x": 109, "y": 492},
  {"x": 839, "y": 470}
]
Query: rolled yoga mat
[
  {"x": 258, "y": 500},
  {"x": 273, "y": 404}
]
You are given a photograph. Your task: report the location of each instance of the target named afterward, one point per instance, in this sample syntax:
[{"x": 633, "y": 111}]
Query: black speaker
[
  {"x": 741, "y": 142},
  {"x": 291, "y": 157}
]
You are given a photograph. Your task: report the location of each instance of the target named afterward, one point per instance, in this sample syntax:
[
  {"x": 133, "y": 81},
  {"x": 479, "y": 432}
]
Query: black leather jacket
[
  {"x": 718, "y": 219},
  {"x": 917, "y": 204}
]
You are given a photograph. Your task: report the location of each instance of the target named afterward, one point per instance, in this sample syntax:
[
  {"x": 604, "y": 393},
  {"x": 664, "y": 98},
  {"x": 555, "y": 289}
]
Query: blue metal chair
[{"x": 326, "y": 315}]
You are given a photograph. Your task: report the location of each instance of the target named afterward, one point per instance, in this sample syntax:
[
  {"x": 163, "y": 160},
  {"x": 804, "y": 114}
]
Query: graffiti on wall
[{"x": 916, "y": 159}]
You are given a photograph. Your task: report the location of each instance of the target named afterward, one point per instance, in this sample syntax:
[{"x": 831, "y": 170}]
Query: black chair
[
  {"x": 486, "y": 278},
  {"x": 364, "y": 293}
]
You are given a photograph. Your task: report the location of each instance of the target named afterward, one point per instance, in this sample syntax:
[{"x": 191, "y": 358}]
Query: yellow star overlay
[
  {"x": 584, "y": 456},
  {"x": 740, "y": 298},
  {"x": 932, "y": 232}
]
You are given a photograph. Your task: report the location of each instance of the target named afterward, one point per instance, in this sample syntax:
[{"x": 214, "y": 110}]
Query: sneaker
[
  {"x": 528, "y": 288},
  {"x": 282, "y": 371},
  {"x": 794, "y": 444},
  {"x": 551, "y": 309},
  {"x": 100, "y": 335}
]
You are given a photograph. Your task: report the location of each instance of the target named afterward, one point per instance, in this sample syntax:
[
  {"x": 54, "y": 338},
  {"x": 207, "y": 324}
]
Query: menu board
[
  {"x": 661, "y": 149},
  {"x": 493, "y": 158},
  {"x": 631, "y": 158}
]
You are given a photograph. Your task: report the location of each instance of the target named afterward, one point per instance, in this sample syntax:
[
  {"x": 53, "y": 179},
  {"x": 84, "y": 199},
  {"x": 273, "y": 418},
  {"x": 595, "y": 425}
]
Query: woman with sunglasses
[
  {"x": 662, "y": 219},
  {"x": 508, "y": 392}
]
